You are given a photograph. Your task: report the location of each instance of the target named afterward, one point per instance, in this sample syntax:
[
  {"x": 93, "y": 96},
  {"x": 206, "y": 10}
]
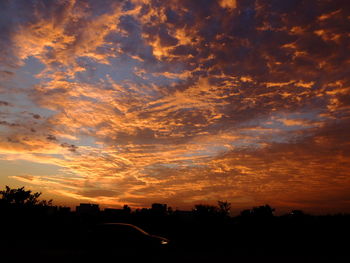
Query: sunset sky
[{"x": 179, "y": 102}]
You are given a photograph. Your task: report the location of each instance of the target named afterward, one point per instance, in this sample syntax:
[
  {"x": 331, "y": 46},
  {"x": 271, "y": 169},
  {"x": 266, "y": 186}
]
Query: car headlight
[{"x": 164, "y": 242}]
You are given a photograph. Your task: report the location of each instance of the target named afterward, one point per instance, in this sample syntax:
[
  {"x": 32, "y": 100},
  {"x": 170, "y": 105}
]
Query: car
[
  {"x": 123, "y": 235},
  {"x": 121, "y": 240}
]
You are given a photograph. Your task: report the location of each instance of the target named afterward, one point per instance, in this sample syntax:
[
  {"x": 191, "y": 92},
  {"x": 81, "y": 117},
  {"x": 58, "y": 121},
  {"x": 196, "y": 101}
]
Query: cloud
[
  {"x": 147, "y": 101},
  {"x": 231, "y": 4}
]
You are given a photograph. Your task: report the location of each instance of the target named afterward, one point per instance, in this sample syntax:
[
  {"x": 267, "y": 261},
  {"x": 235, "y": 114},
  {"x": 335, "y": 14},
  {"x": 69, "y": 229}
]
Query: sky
[{"x": 181, "y": 102}]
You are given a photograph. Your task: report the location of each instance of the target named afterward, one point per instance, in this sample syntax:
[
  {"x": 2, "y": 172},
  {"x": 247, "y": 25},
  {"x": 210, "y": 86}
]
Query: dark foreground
[{"x": 40, "y": 237}]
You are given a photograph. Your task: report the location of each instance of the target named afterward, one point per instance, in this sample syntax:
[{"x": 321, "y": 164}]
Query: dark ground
[{"x": 36, "y": 236}]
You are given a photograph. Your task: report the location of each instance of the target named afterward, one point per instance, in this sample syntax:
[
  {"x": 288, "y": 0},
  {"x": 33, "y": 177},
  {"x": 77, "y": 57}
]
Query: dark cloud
[
  {"x": 9, "y": 124},
  {"x": 70, "y": 147},
  {"x": 51, "y": 137},
  {"x": 4, "y": 103},
  {"x": 5, "y": 73},
  {"x": 36, "y": 116}
]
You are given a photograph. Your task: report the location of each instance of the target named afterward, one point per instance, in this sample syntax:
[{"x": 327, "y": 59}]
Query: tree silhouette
[
  {"x": 263, "y": 211},
  {"x": 296, "y": 213},
  {"x": 224, "y": 208},
  {"x": 22, "y": 197}
]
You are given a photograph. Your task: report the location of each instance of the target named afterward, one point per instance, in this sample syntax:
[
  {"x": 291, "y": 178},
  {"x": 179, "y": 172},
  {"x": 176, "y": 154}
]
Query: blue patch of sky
[
  {"x": 274, "y": 130},
  {"x": 210, "y": 150},
  {"x": 85, "y": 141},
  {"x": 162, "y": 165},
  {"x": 280, "y": 126},
  {"x": 122, "y": 70},
  {"x": 100, "y": 7},
  {"x": 24, "y": 76},
  {"x": 128, "y": 5},
  {"x": 246, "y": 143},
  {"x": 23, "y": 83},
  {"x": 275, "y": 121},
  {"x": 302, "y": 116},
  {"x": 119, "y": 69},
  {"x": 177, "y": 165}
]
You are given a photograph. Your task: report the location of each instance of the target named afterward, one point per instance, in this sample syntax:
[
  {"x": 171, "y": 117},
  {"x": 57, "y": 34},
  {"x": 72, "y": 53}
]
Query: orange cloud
[{"x": 231, "y": 4}]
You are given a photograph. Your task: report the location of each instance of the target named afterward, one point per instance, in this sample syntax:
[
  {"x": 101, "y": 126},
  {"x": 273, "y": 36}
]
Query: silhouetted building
[
  {"x": 51, "y": 210},
  {"x": 88, "y": 209},
  {"x": 64, "y": 209},
  {"x": 143, "y": 211},
  {"x": 159, "y": 209},
  {"x": 113, "y": 212}
]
